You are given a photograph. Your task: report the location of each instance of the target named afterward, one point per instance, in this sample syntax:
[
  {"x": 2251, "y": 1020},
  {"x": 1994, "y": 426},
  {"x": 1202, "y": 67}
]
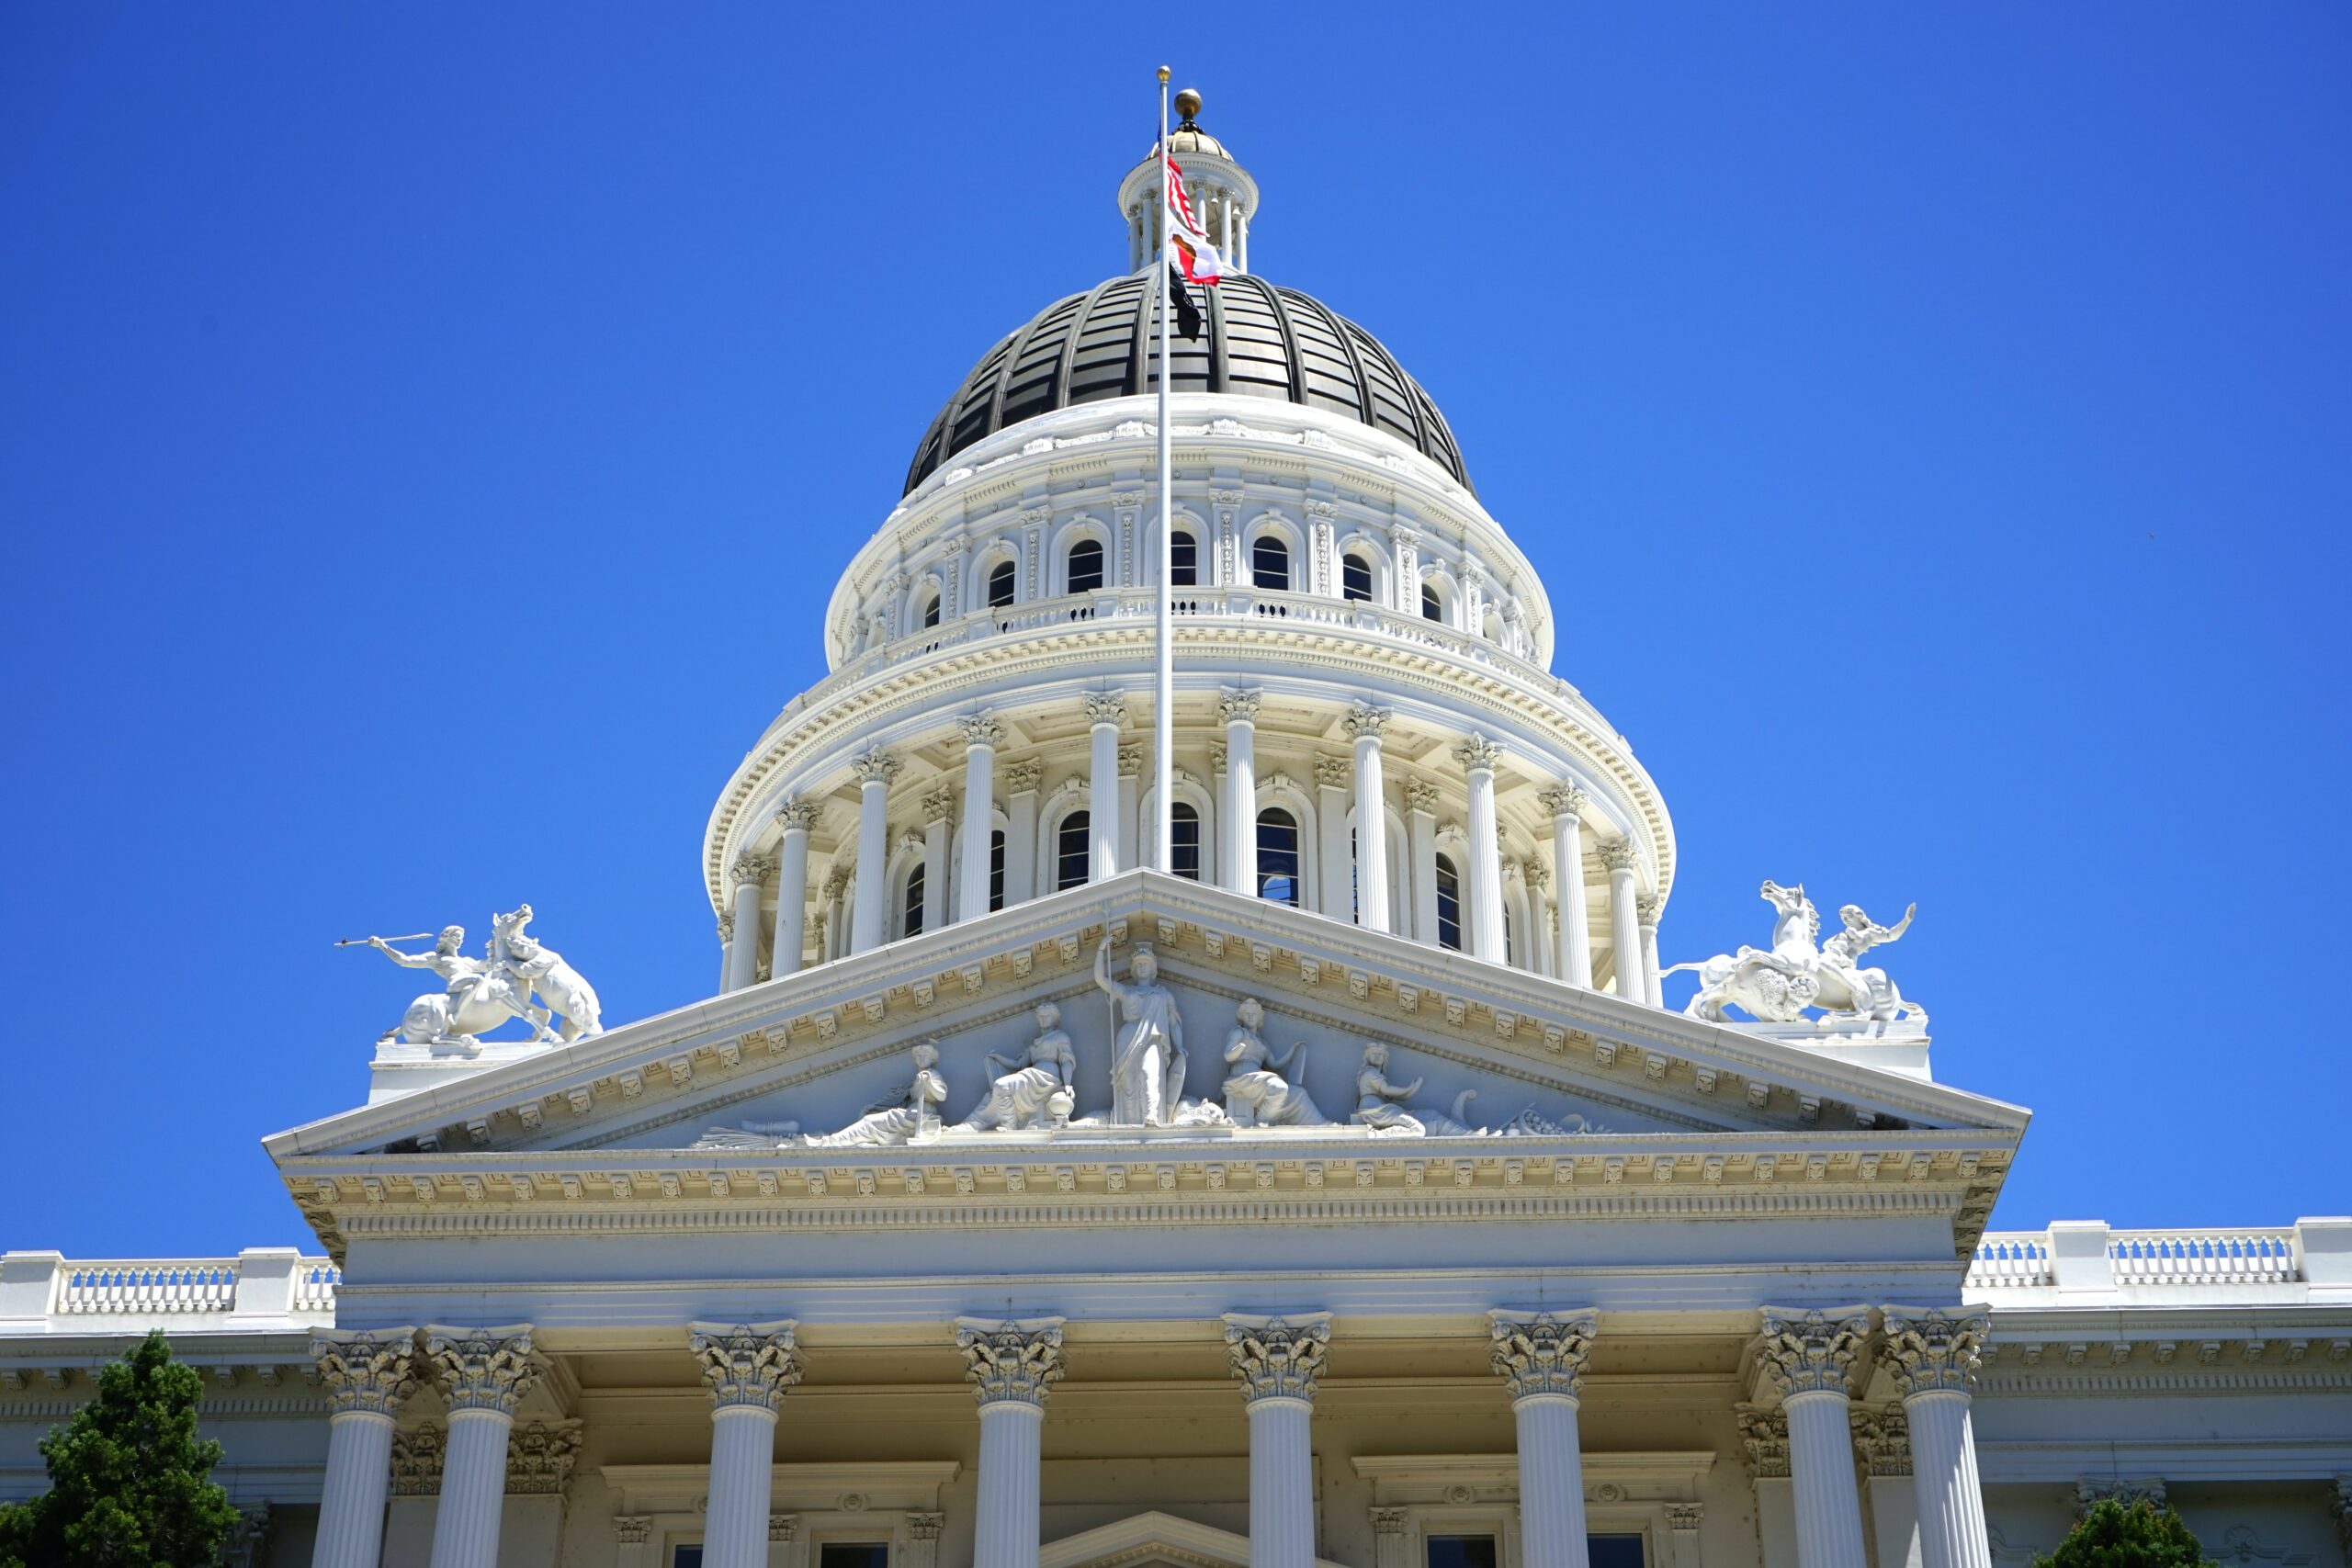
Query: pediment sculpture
[
  {"x": 1776, "y": 985},
  {"x": 480, "y": 993}
]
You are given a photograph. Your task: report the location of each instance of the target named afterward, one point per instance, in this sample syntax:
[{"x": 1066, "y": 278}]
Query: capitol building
[{"x": 1343, "y": 1195}]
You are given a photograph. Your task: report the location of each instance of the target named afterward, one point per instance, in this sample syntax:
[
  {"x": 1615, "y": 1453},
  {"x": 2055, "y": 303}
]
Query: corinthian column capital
[
  {"x": 1106, "y": 709},
  {"x": 796, "y": 814},
  {"x": 1237, "y": 708},
  {"x": 1278, "y": 1357},
  {"x": 366, "y": 1370},
  {"x": 1564, "y": 800},
  {"x": 481, "y": 1368},
  {"x": 1365, "y": 720},
  {"x": 750, "y": 868},
  {"x": 1479, "y": 754},
  {"x": 1934, "y": 1350},
  {"x": 982, "y": 729},
  {"x": 876, "y": 766},
  {"x": 1018, "y": 1360},
  {"x": 745, "y": 1363},
  {"x": 1541, "y": 1353},
  {"x": 1805, "y": 1350}
]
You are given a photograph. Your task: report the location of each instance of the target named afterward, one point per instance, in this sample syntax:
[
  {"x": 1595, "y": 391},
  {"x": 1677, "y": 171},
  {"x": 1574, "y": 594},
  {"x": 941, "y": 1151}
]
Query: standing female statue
[{"x": 1147, "y": 1067}]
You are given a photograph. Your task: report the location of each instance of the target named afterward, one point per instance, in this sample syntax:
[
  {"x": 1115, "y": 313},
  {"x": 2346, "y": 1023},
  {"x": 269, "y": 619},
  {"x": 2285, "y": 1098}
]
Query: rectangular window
[
  {"x": 1461, "y": 1552},
  {"x": 1184, "y": 562},
  {"x": 1184, "y": 833},
  {"x": 1614, "y": 1551},
  {"x": 686, "y": 1556},
  {"x": 853, "y": 1554},
  {"x": 996, "y": 872}
]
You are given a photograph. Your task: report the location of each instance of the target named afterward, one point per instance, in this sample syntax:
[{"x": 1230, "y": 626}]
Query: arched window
[
  {"x": 1184, "y": 838},
  {"x": 1000, "y": 584},
  {"x": 1270, "y": 563},
  {"x": 1355, "y": 578},
  {"x": 1070, "y": 848},
  {"x": 1086, "y": 566},
  {"x": 995, "y": 871},
  {"x": 910, "y": 907},
  {"x": 1433, "y": 606},
  {"x": 1449, "y": 904},
  {"x": 1278, "y": 856},
  {"x": 929, "y": 611},
  {"x": 1183, "y": 560}
]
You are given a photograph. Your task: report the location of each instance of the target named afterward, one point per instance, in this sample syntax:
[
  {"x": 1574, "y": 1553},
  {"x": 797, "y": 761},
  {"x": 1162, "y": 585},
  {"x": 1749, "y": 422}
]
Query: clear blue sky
[{"x": 428, "y": 434}]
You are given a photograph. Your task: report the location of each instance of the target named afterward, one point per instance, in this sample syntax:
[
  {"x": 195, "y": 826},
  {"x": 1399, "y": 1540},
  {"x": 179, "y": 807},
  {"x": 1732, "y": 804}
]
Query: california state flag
[{"x": 1190, "y": 252}]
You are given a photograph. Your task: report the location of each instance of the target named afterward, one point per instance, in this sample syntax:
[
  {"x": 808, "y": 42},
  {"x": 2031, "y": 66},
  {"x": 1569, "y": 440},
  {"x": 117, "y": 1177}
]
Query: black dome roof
[{"x": 1256, "y": 341}]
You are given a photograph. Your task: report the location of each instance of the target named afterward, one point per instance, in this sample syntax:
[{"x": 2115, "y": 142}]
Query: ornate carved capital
[
  {"x": 1331, "y": 772},
  {"x": 1933, "y": 1349},
  {"x": 1646, "y": 908},
  {"x": 1322, "y": 511},
  {"x": 631, "y": 1530},
  {"x": 1217, "y": 756},
  {"x": 1809, "y": 1350},
  {"x": 481, "y": 1368},
  {"x": 2126, "y": 1490},
  {"x": 837, "y": 882},
  {"x": 796, "y": 815},
  {"x": 1882, "y": 1439},
  {"x": 1477, "y": 754},
  {"x": 926, "y": 1526},
  {"x": 366, "y": 1370},
  {"x": 753, "y": 869},
  {"x": 417, "y": 1460},
  {"x": 1685, "y": 1515},
  {"x": 1022, "y": 778},
  {"x": 1540, "y": 1352},
  {"x": 1018, "y": 1359},
  {"x": 1106, "y": 709},
  {"x": 1363, "y": 720},
  {"x": 745, "y": 1363},
  {"x": 1226, "y": 497},
  {"x": 1128, "y": 500},
  {"x": 1404, "y": 535},
  {"x": 783, "y": 1528},
  {"x": 1619, "y": 854},
  {"x": 955, "y": 545},
  {"x": 726, "y": 928},
  {"x": 539, "y": 1458},
  {"x": 981, "y": 729},
  {"x": 1765, "y": 1434},
  {"x": 1564, "y": 800},
  {"x": 876, "y": 766},
  {"x": 1538, "y": 876},
  {"x": 1389, "y": 1522},
  {"x": 1130, "y": 761},
  {"x": 1278, "y": 1357},
  {"x": 1421, "y": 795},
  {"x": 939, "y": 803},
  {"x": 1237, "y": 708}
]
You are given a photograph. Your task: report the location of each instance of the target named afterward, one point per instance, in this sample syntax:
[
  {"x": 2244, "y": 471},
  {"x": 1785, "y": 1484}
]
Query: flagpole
[{"x": 1164, "y": 707}]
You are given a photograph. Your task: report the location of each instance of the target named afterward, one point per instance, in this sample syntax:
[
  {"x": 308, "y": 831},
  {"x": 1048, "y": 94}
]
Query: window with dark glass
[
  {"x": 1086, "y": 566},
  {"x": 1183, "y": 560},
  {"x": 1184, "y": 838},
  {"x": 1355, "y": 578},
  {"x": 910, "y": 907},
  {"x": 1278, "y": 856},
  {"x": 1071, "y": 847},
  {"x": 1461, "y": 1552},
  {"x": 995, "y": 870},
  {"x": 1001, "y": 582},
  {"x": 1270, "y": 564},
  {"x": 1613, "y": 1551},
  {"x": 853, "y": 1554},
  {"x": 931, "y": 610},
  {"x": 686, "y": 1556},
  {"x": 1432, "y": 607},
  {"x": 1449, "y": 904},
  {"x": 1511, "y": 938}
]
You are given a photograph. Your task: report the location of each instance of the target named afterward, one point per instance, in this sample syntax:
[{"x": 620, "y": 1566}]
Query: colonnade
[
  {"x": 1809, "y": 1356},
  {"x": 1108, "y": 790}
]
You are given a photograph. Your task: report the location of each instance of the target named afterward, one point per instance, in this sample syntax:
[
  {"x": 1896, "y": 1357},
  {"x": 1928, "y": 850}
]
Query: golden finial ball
[{"x": 1188, "y": 104}]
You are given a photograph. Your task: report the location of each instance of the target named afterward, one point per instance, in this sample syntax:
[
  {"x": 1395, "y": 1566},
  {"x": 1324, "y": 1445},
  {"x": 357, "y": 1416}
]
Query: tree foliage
[
  {"x": 130, "y": 1482},
  {"x": 2137, "y": 1535}
]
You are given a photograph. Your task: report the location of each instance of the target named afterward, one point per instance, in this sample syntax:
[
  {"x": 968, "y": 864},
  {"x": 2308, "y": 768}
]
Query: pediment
[{"x": 1143, "y": 1539}]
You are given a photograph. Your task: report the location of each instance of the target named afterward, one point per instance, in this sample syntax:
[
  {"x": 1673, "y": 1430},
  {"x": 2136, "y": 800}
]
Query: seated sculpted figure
[
  {"x": 1037, "y": 1092},
  {"x": 901, "y": 1120},
  {"x": 1257, "y": 1095},
  {"x": 1380, "y": 1105}
]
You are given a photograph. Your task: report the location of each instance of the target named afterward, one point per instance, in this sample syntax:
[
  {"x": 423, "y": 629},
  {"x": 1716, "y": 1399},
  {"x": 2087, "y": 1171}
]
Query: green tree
[
  {"x": 2137, "y": 1535},
  {"x": 130, "y": 1482}
]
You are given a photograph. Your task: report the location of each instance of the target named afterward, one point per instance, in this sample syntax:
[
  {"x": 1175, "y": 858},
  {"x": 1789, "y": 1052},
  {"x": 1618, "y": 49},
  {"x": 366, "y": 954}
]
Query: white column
[
  {"x": 1365, "y": 725},
  {"x": 749, "y": 874},
  {"x": 483, "y": 1373},
  {"x": 1420, "y": 824},
  {"x": 938, "y": 809},
  {"x": 796, "y": 817},
  {"x": 1477, "y": 756},
  {"x": 1130, "y": 800},
  {"x": 726, "y": 949},
  {"x": 1279, "y": 1361},
  {"x": 1934, "y": 1354},
  {"x": 1012, "y": 1364},
  {"x": 1809, "y": 1356},
  {"x": 1104, "y": 713},
  {"x": 1682, "y": 1521},
  {"x": 1020, "y": 831},
  {"x": 1335, "y": 863},
  {"x": 1566, "y": 804},
  {"x": 1646, "y": 913},
  {"x": 747, "y": 1367},
  {"x": 1624, "y": 929},
  {"x": 982, "y": 736},
  {"x": 875, "y": 771},
  {"x": 1540, "y": 1357},
  {"x": 1239, "y": 828},
  {"x": 1542, "y": 950},
  {"x": 366, "y": 1374}
]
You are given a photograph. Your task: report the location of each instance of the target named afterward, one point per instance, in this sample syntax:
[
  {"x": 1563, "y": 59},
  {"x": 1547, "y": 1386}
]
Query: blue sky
[{"x": 428, "y": 434}]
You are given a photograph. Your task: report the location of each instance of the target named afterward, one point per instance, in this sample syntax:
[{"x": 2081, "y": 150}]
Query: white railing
[
  {"x": 2010, "y": 1259},
  {"x": 2203, "y": 1258},
  {"x": 44, "y": 1291}
]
